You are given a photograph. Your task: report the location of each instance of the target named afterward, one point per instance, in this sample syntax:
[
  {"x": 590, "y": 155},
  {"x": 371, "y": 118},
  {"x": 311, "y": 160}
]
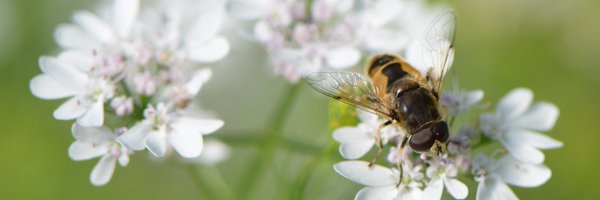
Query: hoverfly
[{"x": 405, "y": 94}]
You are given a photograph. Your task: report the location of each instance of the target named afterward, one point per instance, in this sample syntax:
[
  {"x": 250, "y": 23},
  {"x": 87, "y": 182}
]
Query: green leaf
[{"x": 341, "y": 114}]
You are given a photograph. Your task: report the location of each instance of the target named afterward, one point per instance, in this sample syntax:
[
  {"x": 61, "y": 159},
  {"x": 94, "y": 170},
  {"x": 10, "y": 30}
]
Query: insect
[{"x": 405, "y": 94}]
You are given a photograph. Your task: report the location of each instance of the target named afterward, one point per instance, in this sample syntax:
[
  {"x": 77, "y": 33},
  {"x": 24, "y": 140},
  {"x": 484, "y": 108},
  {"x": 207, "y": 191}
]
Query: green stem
[
  {"x": 250, "y": 140},
  {"x": 210, "y": 182},
  {"x": 271, "y": 137},
  {"x": 302, "y": 178},
  {"x": 125, "y": 88},
  {"x": 483, "y": 141},
  {"x": 451, "y": 121},
  {"x": 203, "y": 187},
  {"x": 308, "y": 8}
]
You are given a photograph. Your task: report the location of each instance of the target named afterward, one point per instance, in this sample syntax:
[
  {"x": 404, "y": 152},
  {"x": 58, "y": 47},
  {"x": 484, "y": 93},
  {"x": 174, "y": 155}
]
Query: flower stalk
[
  {"x": 271, "y": 137},
  {"x": 210, "y": 182}
]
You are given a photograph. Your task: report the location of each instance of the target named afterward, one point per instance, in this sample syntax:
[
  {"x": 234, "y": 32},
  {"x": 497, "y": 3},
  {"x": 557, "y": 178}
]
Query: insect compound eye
[
  {"x": 440, "y": 131},
  {"x": 422, "y": 141}
]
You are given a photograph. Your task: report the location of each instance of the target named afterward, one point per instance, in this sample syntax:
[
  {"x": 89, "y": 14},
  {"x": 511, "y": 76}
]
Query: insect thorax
[{"x": 416, "y": 109}]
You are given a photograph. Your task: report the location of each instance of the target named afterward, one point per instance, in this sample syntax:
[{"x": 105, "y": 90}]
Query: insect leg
[
  {"x": 399, "y": 162},
  {"x": 379, "y": 142}
]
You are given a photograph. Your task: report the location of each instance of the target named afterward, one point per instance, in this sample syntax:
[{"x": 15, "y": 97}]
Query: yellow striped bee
[{"x": 397, "y": 91}]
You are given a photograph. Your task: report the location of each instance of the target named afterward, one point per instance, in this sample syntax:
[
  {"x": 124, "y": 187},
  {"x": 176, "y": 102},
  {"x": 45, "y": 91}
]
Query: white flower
[
  {"x": 515, "y": 123},
  {"x": 124, "y": 60},
  {"x": 357, "y": 141},
  {"x": 441, "y": 173},
  {"x": 392, "y": 25},
  {"x": 301, "y": 40},
  {"x": 382, "y": 183},
  {"x": 90, "y": 32},
  {"x": 459, "y": 102},
  {"x": 92, "y": 142},
  {"x": 160, "y": 128},
  {"x": 493, "y": 176},
  {"x": 85, "y": 71},
  {"x": 62, "y": 79},
  {"x": 182, "y": 30}
]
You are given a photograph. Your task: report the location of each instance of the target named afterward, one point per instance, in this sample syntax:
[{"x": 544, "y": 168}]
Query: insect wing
[
  {"x": 434, "y": 53},
  {"x": 348, "y": 87}
]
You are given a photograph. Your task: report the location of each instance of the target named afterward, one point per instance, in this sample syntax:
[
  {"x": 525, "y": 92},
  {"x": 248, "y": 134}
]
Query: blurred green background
[{"x": 550, "y": 46}]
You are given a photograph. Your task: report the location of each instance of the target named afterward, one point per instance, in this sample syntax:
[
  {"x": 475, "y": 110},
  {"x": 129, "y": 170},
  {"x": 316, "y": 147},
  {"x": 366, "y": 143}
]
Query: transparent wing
[
  {"x": 435, "y": 52},
  {"x": 350, "y": 88}
]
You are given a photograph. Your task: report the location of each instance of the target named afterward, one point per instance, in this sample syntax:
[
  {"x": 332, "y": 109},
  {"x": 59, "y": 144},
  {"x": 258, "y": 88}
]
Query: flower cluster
[
  {"x": 302, "y": 37},
  {"x": 513, "y": 124},
  {"x": 130, "y": 76}
]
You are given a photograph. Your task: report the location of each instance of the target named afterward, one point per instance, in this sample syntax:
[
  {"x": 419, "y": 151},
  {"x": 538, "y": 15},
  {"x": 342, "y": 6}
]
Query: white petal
[
  {"x": 434, "y": 190},
  {"x": 522, "y": 152},
  {"x": 515, "y": 103},
  {"x": 187, "y": 144},
  {"x": 207, "y": 25},
  {"x": 367, "y": 117},
  {"x": 473, "y": 97},
  {"x": 350, "y": 134},
  {"x": 124, "y": 159},
  {"x": 208, "y": 51},
  {"x": 126, "y": 12},
  {"x": 262, "y": 31},
  {"x": 68, "y": 75},
  {"x": 71, "y": 36},
  {"x": 412, "y": 194},
  {"x": 494, "y": 189},
  {"x": 198, "y": 79},
  {"x": 95, "y": 135},
  {"x": 94, "y": 115},
  {"x": 208, "y": 126},
  {"x": 214, "y": 152},
  {"x": 360, "y": 172},
  {"x": 246, "y": 9},
  {"x": 355, "y": 150},
  {"x": 415, "y": 55},
  {"x": 46, "y": 87},
  {"x": 156, "y": 143},
  {"x": 541, "y": 117},
  {"x": 103, "y": 171},
  {"x": 355, "y": 142},
  {"x": 457, "y": 189},
  {"x": 94, "y": 26},
  {"x": 385, "y": 40},
  {"x": 84, "y": 150},
  {"x": 79, "y": 59},
  {"x": 343, "y": 6},
  {"x": 195, "y": 125},
  {"x": 534, "y": 139},
  {"x": 134, "y": 138},
  {"x": 344, "y": 57},
  {"x": 522, "y": 174},
  {"x": 377, "y": 193},
  {"x": 71, "y": 109},
  {"x": 382, "y": 12}
]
